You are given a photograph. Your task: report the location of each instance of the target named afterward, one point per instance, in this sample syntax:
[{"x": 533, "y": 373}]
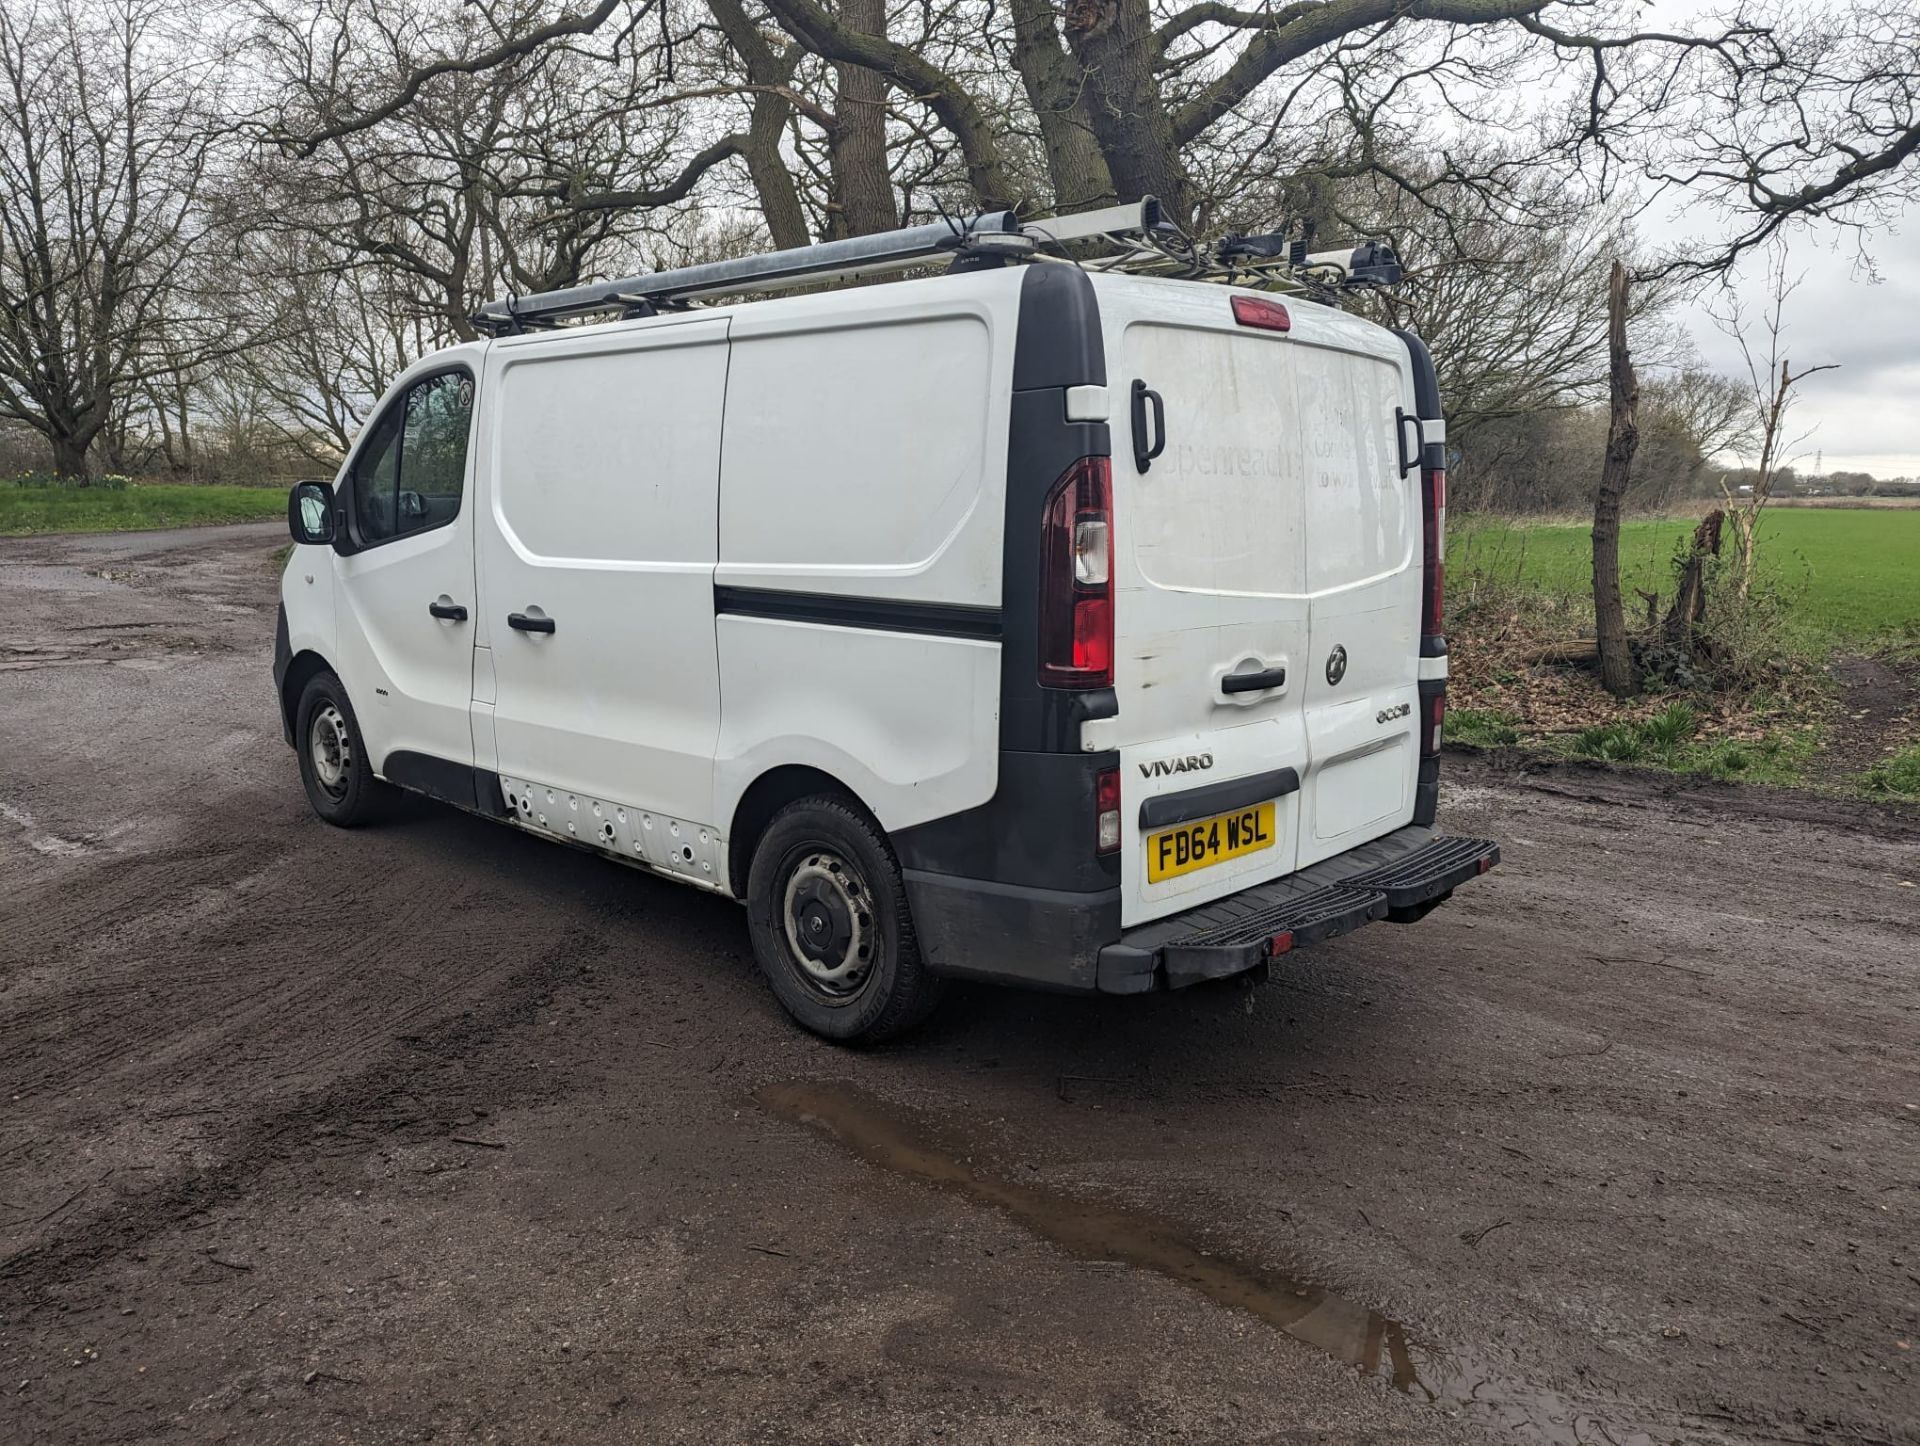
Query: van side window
[{"x": 410, "y": 475}]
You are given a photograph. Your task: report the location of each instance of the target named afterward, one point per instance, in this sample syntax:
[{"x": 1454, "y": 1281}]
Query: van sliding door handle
[
  {"x": 1254, "y": 682},
  {"x": 1143, "y": 455},
  {"x": 526, "y": 624},
  {"x": 453, "y": 612}
]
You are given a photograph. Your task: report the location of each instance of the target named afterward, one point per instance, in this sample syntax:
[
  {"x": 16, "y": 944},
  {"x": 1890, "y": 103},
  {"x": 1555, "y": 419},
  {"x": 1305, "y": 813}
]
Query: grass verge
[
  {"x": 1766, "y": 746},
  {"x": 29, "y": 511},
  {"x": 1847, "y": 576},
  {"x": 1898, "y": 776},
  {"x": 1753, "y": 696}
]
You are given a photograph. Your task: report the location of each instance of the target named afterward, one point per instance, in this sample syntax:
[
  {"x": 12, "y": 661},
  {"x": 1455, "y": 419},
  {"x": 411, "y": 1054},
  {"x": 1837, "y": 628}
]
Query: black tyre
[
  {"x": 830, "y": 924},
  {"x": 333, "y": 761}
]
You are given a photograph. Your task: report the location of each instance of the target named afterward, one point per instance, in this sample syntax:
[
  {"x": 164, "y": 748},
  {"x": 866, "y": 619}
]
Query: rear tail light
[
  {"x": 1106, "y": 807},
  {"x": 1076, "y": 578},
  {"x": 1433, "y": 717},
  {"x": 1434, "y": 554}
]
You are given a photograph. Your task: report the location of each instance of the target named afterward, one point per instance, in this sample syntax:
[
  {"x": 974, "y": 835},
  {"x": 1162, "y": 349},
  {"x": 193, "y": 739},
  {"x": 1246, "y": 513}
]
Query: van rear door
[
  {"x": 1271, "y": 527},
  {"x": 1363, "y": 520}
]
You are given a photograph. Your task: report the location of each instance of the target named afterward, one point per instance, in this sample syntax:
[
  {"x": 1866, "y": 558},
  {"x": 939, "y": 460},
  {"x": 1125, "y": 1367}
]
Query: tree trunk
[
  {"x": 1113, "y": 41},
  {"x": 1748, "y": 528},
  {"x": 779, "y": 197},
  {"x": 1623, "y": 436},
  {"x": 1690, "y": 601},
  {"x": 69, "y": 458},
  {"x": 1056, "y": 88},
  {"x": 862, "y": 188}
]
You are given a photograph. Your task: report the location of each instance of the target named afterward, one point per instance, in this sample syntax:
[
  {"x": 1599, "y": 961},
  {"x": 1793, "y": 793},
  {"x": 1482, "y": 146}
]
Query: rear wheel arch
[{"x": 763, "y": 800}]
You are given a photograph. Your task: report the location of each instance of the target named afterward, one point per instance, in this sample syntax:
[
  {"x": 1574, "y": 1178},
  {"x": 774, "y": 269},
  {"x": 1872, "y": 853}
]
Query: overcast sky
[{"x": 1865, "y": 416}]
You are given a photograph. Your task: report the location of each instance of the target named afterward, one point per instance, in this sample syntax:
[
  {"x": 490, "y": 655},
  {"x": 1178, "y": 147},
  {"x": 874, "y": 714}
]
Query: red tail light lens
[
  {"x": 1106, "y": 810},
  {"x": 1433, "y": 604},
  {"x": 1260, "y": 312},
  {"x": 1076, "y": 578}
]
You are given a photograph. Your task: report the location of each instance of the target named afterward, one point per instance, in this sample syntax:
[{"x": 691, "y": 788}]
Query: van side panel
[
  {"x": 905, "y": 720},
  {"x": 855, "y": 453},
  {"x": 857, "y": 593}
]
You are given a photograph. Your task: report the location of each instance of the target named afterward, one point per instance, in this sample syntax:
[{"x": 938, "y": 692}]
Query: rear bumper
[{"x": 1070, "y": 941}]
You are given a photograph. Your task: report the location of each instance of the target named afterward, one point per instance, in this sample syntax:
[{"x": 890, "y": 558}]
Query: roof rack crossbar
[{"x": 995, "y": 234}]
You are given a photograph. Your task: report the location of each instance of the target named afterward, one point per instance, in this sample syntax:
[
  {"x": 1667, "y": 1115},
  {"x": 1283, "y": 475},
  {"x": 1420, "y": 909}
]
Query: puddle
[{"x": 1352, "y": 1333}]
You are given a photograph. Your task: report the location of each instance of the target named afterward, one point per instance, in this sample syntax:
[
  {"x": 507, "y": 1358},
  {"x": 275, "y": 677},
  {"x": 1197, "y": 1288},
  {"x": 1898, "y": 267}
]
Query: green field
[
  {"x": 1847, "y": 574},
  {"x": 28, "y": 510}
]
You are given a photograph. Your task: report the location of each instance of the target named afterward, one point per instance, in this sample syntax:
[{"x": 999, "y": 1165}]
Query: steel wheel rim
[
  {"x": 330, "y": 745},
  {"x": 827, "y": 916}
]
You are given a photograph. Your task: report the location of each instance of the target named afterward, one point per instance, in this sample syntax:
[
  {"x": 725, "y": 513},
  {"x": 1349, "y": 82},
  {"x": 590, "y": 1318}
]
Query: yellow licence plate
[{"x": 1208, "y": 841}]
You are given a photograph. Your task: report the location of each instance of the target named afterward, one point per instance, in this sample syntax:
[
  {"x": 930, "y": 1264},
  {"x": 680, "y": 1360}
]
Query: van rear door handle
[
  {"x": 1143, "y": 397},
  {"x": 1254, "y": 682},
  {"x": 453, "y": 612},
  {"x": 527, "y": 624}
]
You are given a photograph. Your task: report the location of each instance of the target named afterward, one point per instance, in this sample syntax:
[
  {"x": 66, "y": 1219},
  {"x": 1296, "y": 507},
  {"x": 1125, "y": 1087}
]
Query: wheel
[
  {"x": 333, "y": 762},
  {"x": 830, "y": 925}
]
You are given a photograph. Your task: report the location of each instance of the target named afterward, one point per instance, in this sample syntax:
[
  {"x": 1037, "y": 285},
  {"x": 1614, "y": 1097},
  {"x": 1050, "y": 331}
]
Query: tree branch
[
  {"x": 678, "y": 189},
  {"x": 906, "y": 69},
  {"x": 502, "y": 54}
]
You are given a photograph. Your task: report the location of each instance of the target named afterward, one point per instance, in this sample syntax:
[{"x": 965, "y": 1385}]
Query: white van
[{"x": 1025, "y": 623}]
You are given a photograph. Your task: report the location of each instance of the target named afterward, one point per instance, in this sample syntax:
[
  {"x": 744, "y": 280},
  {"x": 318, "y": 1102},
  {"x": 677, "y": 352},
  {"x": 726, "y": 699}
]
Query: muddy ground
[{"x": 440, "y": 1132}]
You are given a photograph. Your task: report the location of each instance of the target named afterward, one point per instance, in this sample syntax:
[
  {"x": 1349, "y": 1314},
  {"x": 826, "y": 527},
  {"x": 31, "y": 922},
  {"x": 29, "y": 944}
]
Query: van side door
[
  {"x": 404, "y": 594},
  {"x": 597, "y": 698}
]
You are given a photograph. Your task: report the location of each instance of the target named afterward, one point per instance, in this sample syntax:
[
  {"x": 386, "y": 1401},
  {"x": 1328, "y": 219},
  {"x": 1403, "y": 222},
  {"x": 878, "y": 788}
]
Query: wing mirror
[{"x": 310, "y": 513}]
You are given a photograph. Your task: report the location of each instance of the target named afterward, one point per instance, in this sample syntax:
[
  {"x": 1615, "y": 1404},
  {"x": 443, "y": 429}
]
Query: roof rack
[
  {"x": 1146, "y": 240},
  {"x": 988, "y": 239}
]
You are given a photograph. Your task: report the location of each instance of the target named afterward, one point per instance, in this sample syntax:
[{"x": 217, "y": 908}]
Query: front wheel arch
[{"x": 303, "y": 669}]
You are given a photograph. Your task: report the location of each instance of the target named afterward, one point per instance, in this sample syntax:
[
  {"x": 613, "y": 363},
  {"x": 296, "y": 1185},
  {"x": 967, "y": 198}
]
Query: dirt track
[{"x": 436, "y": 1131}]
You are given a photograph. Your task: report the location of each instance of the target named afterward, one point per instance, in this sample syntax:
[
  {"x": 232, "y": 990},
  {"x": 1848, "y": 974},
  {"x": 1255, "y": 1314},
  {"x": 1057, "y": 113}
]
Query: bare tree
[
  {"x": 1772, "y": 382},
  {"x": 511, "y": 176},
  {"x": 106, "y": 146},
  {"x": 1828, "y": 133}
]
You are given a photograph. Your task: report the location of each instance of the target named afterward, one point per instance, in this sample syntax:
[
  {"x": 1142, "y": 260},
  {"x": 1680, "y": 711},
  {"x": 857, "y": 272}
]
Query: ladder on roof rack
[
  {"x": 994, "y": 236},
  {"x": 1148, "y": 241}
]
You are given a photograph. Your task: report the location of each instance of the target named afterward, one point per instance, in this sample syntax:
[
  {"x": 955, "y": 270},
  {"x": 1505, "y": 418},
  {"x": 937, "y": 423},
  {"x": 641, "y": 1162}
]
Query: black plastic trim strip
[
  {"x": 1171, "y": 808},
  {"x": 1058, "y": 343},
  {"x": 887, "y": 615},
  {"x": 460, "y": 784},
  {"x": 282, "y": 660},
  {"x": 1433, "y": 645},
  {"x": 1426, "y": 381}
]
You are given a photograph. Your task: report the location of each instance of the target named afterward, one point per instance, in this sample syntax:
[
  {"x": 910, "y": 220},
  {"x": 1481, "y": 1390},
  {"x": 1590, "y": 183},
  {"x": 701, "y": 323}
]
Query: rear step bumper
[
  {"x": 1053, "y": 939},
  {"x": 1398, "y": 877}
]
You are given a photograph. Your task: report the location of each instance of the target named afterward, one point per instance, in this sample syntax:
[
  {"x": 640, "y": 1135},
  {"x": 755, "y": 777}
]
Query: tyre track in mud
[{"x": 431, "y": 1071}]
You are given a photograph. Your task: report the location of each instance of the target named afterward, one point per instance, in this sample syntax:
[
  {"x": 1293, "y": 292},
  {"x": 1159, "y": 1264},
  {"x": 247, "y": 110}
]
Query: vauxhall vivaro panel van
[{"x": 1025, "y": 623}]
